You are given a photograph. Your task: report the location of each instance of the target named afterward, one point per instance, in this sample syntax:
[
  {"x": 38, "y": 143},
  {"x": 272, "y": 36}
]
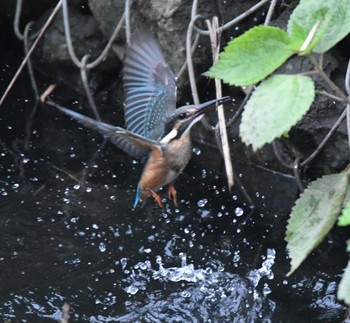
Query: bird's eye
[{"x": 182, "y": 116}]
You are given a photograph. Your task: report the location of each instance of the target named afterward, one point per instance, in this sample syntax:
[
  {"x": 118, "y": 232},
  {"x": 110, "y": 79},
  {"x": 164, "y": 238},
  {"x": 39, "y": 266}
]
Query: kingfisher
[{"x": 156, "y": 131}]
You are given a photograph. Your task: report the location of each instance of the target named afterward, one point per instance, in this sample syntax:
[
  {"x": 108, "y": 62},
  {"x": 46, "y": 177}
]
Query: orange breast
[
  {"x": 155, "y": 174},
  {"x": 164, "y": 165}
]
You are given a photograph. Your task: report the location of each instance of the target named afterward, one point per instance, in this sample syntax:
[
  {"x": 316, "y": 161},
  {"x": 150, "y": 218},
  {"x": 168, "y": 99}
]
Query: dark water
[{"x": 69, "y": 234}]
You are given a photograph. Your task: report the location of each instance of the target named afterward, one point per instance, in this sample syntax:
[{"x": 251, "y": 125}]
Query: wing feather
[
  {"x": 149, "y": 87},
  {"x": 133, "y": 144}
]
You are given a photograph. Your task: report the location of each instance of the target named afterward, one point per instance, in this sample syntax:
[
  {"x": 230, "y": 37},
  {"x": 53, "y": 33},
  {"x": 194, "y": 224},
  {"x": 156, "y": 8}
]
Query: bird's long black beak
[{"x": 209, "y": 105}]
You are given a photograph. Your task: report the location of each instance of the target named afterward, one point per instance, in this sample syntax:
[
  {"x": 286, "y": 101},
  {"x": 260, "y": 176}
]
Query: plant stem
[
  {"x": 334, "y": 97},
  {"x": 325, "y": 139},
  {"x": 334, "y": 87}
]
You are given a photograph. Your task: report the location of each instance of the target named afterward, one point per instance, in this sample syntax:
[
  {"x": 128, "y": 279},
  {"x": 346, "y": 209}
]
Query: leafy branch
[{"x": 280, "y": 101}]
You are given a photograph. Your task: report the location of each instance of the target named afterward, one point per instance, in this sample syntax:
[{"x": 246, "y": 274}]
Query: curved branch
[{"x": 190, "y": 62}]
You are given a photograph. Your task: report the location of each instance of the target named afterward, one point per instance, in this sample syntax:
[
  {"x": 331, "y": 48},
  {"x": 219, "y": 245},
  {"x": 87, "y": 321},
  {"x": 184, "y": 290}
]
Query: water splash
[
  {"x": 184, "y": 273},
  {"x": 265, "y": 270}
]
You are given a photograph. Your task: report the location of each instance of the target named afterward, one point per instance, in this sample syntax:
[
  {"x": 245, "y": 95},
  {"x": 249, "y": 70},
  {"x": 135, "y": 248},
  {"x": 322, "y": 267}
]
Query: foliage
[
  {"x": 344, "y": 219},
  {"x": 334, "y": 16},
  {"x": 252, "y": 56},
  {"x": 266, "y": 104},
  {"x": 280, "y": 101},
  {"x": 314, "y": 214}
]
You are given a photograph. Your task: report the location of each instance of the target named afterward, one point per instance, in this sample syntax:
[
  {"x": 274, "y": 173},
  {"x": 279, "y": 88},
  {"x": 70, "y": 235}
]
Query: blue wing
[{"x": 149, "y": 86}]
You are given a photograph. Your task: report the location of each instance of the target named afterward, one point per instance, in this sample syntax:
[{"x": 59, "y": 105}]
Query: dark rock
[{"x": 53, "y": 59}]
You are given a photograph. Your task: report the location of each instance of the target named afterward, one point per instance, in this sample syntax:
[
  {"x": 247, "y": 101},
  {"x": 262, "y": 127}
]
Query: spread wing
[
  {"x": 149, "y": 86},
  {"x": 133, "y": 144}
]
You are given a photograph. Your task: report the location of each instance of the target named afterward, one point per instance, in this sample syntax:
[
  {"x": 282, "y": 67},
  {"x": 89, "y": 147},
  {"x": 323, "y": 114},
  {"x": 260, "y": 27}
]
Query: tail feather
[
  {"x": 137, "y": 197},
  {"x": 103, "y": 128}
]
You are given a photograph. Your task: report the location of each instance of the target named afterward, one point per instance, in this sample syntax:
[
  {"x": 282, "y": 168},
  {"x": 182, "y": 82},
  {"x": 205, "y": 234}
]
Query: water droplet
[
  {"x": 76, "y": 186},
  {"x": 196, "y": 151},
  {"x": 159, "y": 260},
  {"x": 88, "y": 189},
  {"x": 131, "y": 290},
  {"x": 202, "y": 203},
  {"x": 123, "y": 262},
  {"x": 266, "y": 290},
  {"x": 185, "y": 294},
  {"x": 236, "y": 256},
  {"x": 239, "y": 211},
  {"x": 102, "y": 247}
]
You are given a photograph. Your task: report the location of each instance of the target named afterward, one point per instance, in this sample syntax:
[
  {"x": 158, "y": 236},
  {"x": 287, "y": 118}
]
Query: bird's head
[{"x": 185, "y": 117}]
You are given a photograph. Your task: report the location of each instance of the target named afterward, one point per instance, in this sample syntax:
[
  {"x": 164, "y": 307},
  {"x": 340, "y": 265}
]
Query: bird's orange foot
[
  {"x": 158, "y": 199},
  {"x": 172, "y": 193}
]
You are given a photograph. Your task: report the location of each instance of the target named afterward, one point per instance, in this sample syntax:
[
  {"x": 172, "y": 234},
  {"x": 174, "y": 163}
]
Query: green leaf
[
  {"x": 344, "y": 219},
  {"x": 275, "y": 106},
  {"x": 297, "y": 37},
  {"x": 251, "y": 57},
  {"x": 335, "y": 22},
  {"x": 313, "y": 215},
  {"x": 344, "y": 285}
]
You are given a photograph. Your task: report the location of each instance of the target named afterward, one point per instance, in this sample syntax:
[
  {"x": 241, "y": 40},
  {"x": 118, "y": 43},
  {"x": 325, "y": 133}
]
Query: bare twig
[
  {"x": 215, "y": 46},
  {"x": 279, "y": 157},
  {"x": 194, "y": 9},
  {"x": 193, "y": 48},
  {"x": 47, "y": 92},
  {"x": 71, "y": 176},
  {"x": 347, "y": 79},
  {"x": 270, "y": 12},
  {"x": 333, "y": 86},
  {"x": 29, "y": 64},
  {"x": 325, "y": 140},
  {"x": 249, "y": 91},
  {"x": 69, "y": 43},
  {"x": 35, "y": 43},
  {"x": 105, "y": 51},
  {"x": 233, "y": 21},
  {"x": 84, "y": 78},
  {"x": 190, "y": 62},
  {"x": 333, "y": 97},
  {"x": 347, "y": 87},
  {"x": 319, "y": 147},
  {"x": 18, "y": 34},
  {"x": 28, "y": 125},
  {"x": 296, "y": 170},
  {"x": 127, "y": 21},
  {"x": 70, "y": 46},
  {"x": 92, "y": 161},
  {"x": 17, "y": 18}
]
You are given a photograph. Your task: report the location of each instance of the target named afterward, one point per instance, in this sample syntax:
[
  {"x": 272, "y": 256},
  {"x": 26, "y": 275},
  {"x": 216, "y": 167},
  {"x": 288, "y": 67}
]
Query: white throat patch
[{"x": 171, "y": 135}]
